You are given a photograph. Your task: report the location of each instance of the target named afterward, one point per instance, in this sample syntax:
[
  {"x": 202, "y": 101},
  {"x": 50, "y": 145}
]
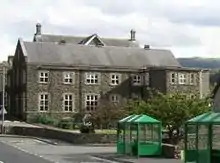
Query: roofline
[
  {"x": 180, "y": 68},
  {"x": 20, "y": 40},
  {"x": 85, "y": 67}
]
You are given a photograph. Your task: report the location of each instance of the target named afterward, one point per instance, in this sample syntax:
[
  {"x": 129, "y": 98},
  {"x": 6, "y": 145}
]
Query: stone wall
[{"x": 75, "y": 138}]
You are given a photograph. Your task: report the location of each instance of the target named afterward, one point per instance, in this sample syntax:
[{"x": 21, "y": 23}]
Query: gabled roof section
[
  {"x": 93, "y": 38},
  {"x": 82, "y": 40},
  {"x": 81, "y": 55},
  {"x": 209, "y": 117}
]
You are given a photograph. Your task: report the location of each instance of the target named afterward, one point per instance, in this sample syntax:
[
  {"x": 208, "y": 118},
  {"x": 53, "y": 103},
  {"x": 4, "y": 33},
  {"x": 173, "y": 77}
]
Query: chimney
[
  {"x": 146, "y": 46},
  {"x": 133, "y": 35},
  {"x": 38, "y": 29}
]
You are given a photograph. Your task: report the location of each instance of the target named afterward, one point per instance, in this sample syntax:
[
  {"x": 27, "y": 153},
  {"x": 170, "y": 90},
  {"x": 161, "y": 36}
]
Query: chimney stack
[
  {"x": 38, "y": 29},
  {"x": 133, "y": 35}
]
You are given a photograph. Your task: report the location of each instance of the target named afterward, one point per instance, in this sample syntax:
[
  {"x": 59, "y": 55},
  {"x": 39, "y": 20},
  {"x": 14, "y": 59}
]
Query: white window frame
[
  {"x": 192, "y": 80},
  {"x": 91, "y": 100},
  {"x": 137, "y": 80},
  {"x": 70, "y": 103},
  {"x": 114, "y": 98},
  {"x": 43, "y": 100},
  {"x": 68, "y": 77},
  {"x": 115, "y": 79},
  {"x": 44, "y": 77},
  {"x": 182, "y": 78},
  {"x": 172, "y": 77},
  {"x": 92, "y": 78}
]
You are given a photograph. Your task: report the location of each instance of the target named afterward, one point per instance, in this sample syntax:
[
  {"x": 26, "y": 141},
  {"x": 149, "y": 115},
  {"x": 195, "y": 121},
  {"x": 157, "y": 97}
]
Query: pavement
[
  {"x": 9, "y": 154},
  {"x": 61, "y": 152}
]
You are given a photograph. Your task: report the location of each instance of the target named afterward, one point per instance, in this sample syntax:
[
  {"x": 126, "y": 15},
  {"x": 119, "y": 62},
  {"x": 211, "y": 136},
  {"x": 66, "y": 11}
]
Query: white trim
[
  {"x": 182, "y": 78},
  {"x": 73, "y": 102},
  {"x": 68, "y": 75},
  {"x": 39, "y": 101},
  {"x": 91, "y": 76},
  {"x": 92, "y": 38},
  {"x": 115, "y": 79},
  {"x": 116, "y": 98},
  {"x": 138, "y": 81},
  {"x": 194, "y": 79},
  {"x": 85, "y": 100},
  {"x": 173, "y": 78},
  {"x": 39, "y": 76}
]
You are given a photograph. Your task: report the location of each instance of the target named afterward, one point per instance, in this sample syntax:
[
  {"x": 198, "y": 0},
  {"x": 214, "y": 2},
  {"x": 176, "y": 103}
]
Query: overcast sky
[{"x": 187, "y": 27}]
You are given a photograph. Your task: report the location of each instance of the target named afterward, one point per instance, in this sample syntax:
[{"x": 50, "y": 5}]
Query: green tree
[
  {"x": 172, "y": 109},
  {"x": 108, "y": 114}
]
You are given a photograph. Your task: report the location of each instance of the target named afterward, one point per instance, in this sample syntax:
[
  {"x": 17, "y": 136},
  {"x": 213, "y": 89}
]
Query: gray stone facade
[{"x": 125, "y": 62}]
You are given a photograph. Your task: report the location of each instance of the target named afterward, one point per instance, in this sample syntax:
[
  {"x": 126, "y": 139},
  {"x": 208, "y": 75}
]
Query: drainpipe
[{"x": 200, "y": 84}]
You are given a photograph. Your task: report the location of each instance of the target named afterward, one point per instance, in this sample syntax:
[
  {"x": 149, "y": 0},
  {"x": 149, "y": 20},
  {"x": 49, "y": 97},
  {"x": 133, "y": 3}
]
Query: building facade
[{"x": 62, "y": 75}]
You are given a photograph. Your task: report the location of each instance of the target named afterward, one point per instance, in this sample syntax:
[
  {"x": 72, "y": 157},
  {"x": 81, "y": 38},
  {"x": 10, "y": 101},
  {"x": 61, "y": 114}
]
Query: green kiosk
[
  {"x": 139, "y": 135},
  {"x": 202, "y": 139}
]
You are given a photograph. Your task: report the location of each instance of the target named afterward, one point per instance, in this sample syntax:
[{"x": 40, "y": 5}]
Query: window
[
  {"x": 182, "y": 78},
  {"x": 68, "y": 77},
  {"x": 68, "y": 102},
  {"x": 43, "y": 100},
  {"x": 43, "y": 76},
  {"x": 114, "y": 98},
  {"x": 115, "y": 79},
  {"x": 173, "y": 78},
  {"x": 92, "y": 78},
  {"x": 91, "y": 102},
  {"x": 137, "y": 80},
  {"x": 192, "y": 79}
]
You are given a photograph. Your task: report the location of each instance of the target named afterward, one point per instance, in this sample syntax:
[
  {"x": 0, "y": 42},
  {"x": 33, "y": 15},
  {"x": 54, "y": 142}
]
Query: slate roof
[
  {"x": 108, "y": 56},
  {"x": 80, "y": 39}
]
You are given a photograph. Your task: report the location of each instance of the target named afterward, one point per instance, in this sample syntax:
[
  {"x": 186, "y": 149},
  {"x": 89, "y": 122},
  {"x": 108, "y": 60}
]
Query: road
[
  {"x": 27, "y": 150},
  {"x": 9, "y": 154}
]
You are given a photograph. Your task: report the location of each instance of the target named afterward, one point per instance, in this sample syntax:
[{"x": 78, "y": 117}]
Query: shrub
[
  {"x": 66, "y": 123},
  {"x": 86, "y": 129},
  {"x": 45, "y": 119}
]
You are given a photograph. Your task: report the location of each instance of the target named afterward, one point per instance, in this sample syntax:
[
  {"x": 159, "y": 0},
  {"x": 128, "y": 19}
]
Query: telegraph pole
[{"x": 3, "y": 98}]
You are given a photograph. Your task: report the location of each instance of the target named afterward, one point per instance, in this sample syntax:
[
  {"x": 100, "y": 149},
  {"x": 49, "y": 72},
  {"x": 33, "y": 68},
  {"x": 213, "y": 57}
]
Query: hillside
[{"x": 210, "y": 63}]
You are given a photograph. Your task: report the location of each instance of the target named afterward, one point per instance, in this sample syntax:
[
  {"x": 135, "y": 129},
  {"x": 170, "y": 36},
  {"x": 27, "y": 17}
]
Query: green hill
[{"x": 210, "y": 63}]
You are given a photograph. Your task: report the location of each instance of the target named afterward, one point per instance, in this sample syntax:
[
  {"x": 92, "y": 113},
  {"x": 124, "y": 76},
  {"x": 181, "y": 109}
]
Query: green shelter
[
  {"x": 139, "y": 135},
  {"x": 202, "y": 139}
]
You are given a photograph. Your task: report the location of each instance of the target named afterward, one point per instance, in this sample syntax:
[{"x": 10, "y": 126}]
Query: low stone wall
[{"x": 75, "y": 138}]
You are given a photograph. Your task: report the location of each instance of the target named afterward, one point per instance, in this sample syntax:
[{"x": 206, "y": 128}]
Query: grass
[{"x": 106, "y": 131}]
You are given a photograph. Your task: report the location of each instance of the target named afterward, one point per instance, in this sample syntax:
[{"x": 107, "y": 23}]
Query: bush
[
  {"x": 66, "y": 123},
  {"x": 86, "y": 129},
  {"x": 45, "y": 119}
]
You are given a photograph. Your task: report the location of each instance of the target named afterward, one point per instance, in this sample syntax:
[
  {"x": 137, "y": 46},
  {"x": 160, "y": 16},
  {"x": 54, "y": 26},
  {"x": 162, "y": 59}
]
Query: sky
[{"x": 189, "y": 28}]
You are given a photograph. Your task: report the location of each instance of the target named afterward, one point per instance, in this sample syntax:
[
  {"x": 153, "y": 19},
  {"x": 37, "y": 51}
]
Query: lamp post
[{"x": 3, "y": 99}]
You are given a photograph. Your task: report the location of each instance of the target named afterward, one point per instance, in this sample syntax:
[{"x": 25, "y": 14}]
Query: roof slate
[
  {"x": 80, "y": 39},
  {"x": 109, "y": 56}
]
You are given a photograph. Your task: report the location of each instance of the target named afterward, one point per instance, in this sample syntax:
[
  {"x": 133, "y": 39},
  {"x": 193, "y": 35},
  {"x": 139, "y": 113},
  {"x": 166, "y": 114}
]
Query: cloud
[{"x": 183, "y": 26}]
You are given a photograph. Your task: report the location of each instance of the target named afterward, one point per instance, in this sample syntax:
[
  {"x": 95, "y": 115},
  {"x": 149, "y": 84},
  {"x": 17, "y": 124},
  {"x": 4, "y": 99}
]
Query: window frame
[
  {"x": 115, "y": 79},
  {"x": 90, "y": 100},
  {"x": 114, "y": 101},
  {"x": 137, "y": 82},
  {"x": 44, "y": 100},
  {"x": 64, "y": 100},
  {"x": 173, "y": 77},
  {"x": 182, "y": 77},
  {"x": 91, "y": 76},
  {"x": 190, "y": 79},
  {"x": 43, "y": 77},
  {"x": 70, "y": 76}
]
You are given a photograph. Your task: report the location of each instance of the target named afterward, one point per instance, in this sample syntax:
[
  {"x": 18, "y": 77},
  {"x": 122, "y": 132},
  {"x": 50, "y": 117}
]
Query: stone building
[{"x": 62, "y": 75}]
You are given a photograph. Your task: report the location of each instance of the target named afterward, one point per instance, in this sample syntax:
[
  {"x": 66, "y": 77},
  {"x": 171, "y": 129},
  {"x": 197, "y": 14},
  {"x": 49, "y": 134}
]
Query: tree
[
  {"x": 108, "y": 114},
  {"x": 172, "y": 109}
]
